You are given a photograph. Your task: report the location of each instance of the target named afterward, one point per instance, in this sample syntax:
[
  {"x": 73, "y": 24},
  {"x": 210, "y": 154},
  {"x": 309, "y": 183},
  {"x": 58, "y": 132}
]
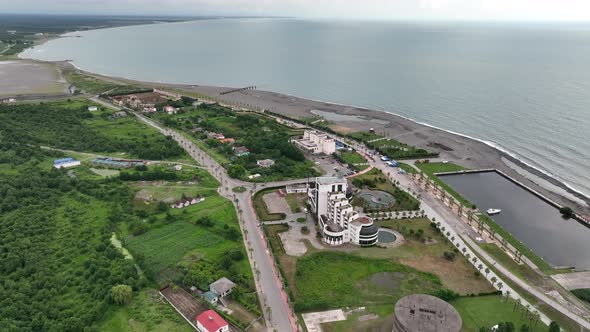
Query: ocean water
[{"x": 523, "y": 87}]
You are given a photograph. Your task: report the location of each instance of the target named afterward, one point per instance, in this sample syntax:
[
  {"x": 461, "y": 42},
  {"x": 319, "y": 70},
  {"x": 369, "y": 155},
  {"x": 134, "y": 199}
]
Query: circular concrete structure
[{"x": 425, "y": 313}]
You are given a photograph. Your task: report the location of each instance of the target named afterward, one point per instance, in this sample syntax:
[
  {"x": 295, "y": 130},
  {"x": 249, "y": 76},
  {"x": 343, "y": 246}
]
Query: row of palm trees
[
  {"x": 474, "y": 260},
  {"x": 472, "y": 217}
]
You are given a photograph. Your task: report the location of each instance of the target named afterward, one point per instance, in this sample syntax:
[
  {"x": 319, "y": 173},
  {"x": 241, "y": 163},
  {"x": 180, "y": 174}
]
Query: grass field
[
  {"x": 458, "y": 275},
  {"x": 147, "y": 312},
  {"x": 87, "y": 83},
  {"x": 334, "y": 280},
  {"x": 431, "y": 168},
  {"x": 296, "y": 202},
  {"x": 353, "y": 158},
  {"x": 167, "y": 245},
  {"x": 487, "y": 311},
  {"x": 391, "y": 147}
]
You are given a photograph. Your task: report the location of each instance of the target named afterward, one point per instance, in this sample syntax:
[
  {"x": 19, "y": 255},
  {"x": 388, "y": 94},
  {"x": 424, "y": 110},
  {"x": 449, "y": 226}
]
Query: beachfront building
[
  {"x": 339, "y": 223},
  {"x": 315, "y": 142},
  {"x": 66, "y": 163},
  {"x": 210, "y": 321}
]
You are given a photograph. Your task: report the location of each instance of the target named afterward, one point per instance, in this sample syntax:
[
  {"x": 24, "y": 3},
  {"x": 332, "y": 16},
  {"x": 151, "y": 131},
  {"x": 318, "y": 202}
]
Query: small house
[
  {"x": 92, "y": 108},
  {"x": 210, "y": 321},
  {"x": 241, "y": 151},
  {"x": 227, "y": 141},
  {"x": 210, "y": 297},
  {"x": 254, "y": 176},
  {"x": 149, "y": 109},
  {"x": 219, "y": 136},
  {"x": 222, "y": 287},
  {"x": 119, "y": 114},
  {"x": 170, "y": 109},
  {"x": 265, "y": 163}
]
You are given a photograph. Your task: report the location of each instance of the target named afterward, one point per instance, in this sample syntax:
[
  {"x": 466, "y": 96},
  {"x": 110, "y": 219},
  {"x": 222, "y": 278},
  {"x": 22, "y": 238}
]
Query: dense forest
[
  {"x": 69, "y": 125},
  {"x": 49, "y": 282}
]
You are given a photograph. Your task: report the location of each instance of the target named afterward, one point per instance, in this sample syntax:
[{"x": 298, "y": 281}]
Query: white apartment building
[
  {"x": 314, "y": 141},
  {"x": 338, "y": 221}
]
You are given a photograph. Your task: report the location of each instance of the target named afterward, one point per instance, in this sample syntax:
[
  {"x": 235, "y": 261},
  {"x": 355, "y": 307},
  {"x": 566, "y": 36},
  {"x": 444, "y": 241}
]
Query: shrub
[
  {"x": 449, "y": 255},
  {"x": 566, "y": 212},
  {"x": 446, "y": 294}
]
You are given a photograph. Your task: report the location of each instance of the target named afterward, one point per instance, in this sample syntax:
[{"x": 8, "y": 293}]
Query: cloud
[{"x": 361, "y": 9}]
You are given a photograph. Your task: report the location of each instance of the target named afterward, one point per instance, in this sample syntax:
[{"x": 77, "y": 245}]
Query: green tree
[
  {"x": 566, "y": 212},
  {"x": 236, "y": 171},
  {"x": 554, "y": 327},
  {"x": 121, "y": 294}
]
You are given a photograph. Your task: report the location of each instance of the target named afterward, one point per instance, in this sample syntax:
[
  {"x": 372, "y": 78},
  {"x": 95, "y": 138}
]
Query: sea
[{"x": 521, "y": 87}]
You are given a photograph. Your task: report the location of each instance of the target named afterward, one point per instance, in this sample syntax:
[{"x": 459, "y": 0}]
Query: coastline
[{"x": 469, "y": 151}]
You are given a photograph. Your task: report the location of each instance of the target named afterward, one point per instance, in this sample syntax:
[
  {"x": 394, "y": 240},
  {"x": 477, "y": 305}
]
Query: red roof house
[{"x": 210, "y": 321}]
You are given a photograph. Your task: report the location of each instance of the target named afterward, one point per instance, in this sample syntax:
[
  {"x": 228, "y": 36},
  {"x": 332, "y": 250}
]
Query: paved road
[{"x": 271, "y": 292}]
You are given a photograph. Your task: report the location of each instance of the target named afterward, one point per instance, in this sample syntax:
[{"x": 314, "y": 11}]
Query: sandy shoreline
[{"x": 466, "y": 151}]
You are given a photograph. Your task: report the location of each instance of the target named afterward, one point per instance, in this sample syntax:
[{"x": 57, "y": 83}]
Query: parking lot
[{"x": 329, "y": 165}]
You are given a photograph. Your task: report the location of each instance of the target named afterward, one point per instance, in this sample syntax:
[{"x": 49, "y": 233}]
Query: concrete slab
[
  {"x": 314, "y": 319},
  {"x": 574, "y": 280},
  {"x": 276, "y": 203}
]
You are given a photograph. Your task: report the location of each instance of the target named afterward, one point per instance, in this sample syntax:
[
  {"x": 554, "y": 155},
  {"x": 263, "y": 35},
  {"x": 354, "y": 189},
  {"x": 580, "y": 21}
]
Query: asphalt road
[{"x": 269, "y": 286}]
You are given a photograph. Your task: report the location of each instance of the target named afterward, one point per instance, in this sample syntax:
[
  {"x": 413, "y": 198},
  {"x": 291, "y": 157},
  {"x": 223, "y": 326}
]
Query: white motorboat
[{"x": 493, "y": 211}]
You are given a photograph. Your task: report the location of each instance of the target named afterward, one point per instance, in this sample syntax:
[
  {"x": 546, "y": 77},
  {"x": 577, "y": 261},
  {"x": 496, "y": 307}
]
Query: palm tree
[
  {"x": 493, "y": 280},
  {"x": 487, "y": 270},
  {"x": 500, "y": 285},
  {"x": 480, "y": 266},
  {"x": 464, "y": 250},
  {"x": 517, "y": 303},
  {"x": 507, "y": 294},
  {"x": 527, "y": 307},
  {"x": 474, "y": 260}
]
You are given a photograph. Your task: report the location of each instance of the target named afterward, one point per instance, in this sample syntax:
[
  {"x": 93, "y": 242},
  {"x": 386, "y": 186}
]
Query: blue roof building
[{"x": 65, "y": 163}]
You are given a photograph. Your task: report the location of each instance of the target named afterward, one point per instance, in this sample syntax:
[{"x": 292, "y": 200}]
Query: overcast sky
[{"x": 539, "y": 10}]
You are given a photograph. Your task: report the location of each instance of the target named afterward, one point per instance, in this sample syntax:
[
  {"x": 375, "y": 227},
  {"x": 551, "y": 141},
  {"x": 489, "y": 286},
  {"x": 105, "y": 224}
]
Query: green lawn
[
  {"x": 87, "y": 83},
  {"x": 147, "y": 312},
  {"x": 457, "y": 275},
  {"x": 487, "y": 311},
  {"x": 328, "y": 280},
  {"x": 431, "y": 168},
  {"x": 409, "y": 169},
  {"x": 352, "y": 158},
  {"x": 391, "y": 147}
]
